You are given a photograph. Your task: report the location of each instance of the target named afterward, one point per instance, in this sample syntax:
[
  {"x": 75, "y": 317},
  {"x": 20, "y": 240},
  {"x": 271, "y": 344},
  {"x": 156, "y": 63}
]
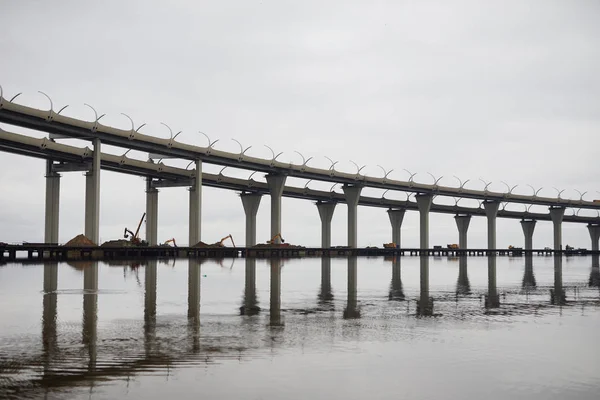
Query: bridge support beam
[
  {"x": 396, "y": 218},
  {"x": 594, "y": 230},
  {"x": 424, "y": 203},
  {"x": 195, "y": 213},
  {"x": 151, "y": 213},
  {"x": 491, "y": 211},
  {"x": 557, "y": 214},
  {"x": 462, "y": 223},
  {"x": 352, "y": 193},
  {"x": 52, "y": 204},
  {"x": 276, "y": 184},
  {"x": 92, "y": 196},
  {"x": 250, "y": 201},
  {"x": 528, "y": 226},
  {"x": 326, "y": 210}
]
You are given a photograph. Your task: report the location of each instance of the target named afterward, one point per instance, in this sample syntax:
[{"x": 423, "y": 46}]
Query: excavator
[
  {"x": 220, "y": 244},
  {"x": 170, "y": 241},
  {"x": 452, "y": 246},
  {"x": 391, "y": 245},
  {"x": 275, "y": 241},
  {"x": 134, "y": 239}
]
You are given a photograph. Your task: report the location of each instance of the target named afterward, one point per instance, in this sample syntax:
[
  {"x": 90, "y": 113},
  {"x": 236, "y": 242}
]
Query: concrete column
[
  {"x": 557, "y": 214},
  {"x": 594, "y": 235},
  {"x": 493, "y": 299},
  {"x": 396, "y": 218},
  {"x": 325, "y": 293},
  {"x": 52, "y": 204},
  {"x": 326, "y": 213},
  {"x": 528, "y": 226},
  {"x": 352, "y": 194},
  {"x": 92, "y": 197},
  {"x": 351, "y": 311},
  {"x": 250, "y": 306},
  {"x": 491, "y": 211},
  {"x": 462, "y": 223},
  {"x": 276, "y": 184},
  {"x": 250, "y": 201},
  {"x": 275, "y": 303},
  {"x": 195, "y": 212},
  {"x": 90, "y": 311},
  {"x": 151, "y": 213},
  {"x": 396, "y": 290},
  {"x": 424, "y": 204}
]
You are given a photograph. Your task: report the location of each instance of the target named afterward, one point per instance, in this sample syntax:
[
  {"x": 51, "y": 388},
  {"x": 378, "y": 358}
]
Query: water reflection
[
  {"x": 492, "y": 299},
  {"x": 595, "y": 272},
  {"x": 49, "y": 337},
  {"x": 193, "y": 314},
  {"x": 352, "y": 310},
  {"x": 463, "y": 286},
  {"x": 529, "y": 282},
  {"x": 250, "y": 300},
  {"x": 557, "y": 294},
  {"x": 90, "y": 312},
  {"x": 325, "y": 298},
  {"x": 150, "y": 279},
  {"x": 275, "y": 303},
  {"x": 425, "y": 303},
  {"x": 396, "y": 291}
]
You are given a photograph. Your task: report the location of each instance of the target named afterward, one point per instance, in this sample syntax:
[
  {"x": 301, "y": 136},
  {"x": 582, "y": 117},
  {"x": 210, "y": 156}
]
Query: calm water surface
[{"x": 431, "y": 328}]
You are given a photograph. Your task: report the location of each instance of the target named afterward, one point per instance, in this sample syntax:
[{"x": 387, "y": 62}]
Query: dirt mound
[
  {"x": 202, "y": 244},
  {"x": 118, "y": 243},
  {"x": 80, "y": 241}
]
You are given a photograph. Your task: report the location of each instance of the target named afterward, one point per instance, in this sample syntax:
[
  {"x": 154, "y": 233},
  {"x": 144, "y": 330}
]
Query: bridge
[{"x": 62, "y": 158}]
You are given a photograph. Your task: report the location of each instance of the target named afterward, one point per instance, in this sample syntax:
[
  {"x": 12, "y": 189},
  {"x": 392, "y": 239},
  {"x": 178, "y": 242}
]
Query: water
[{"x": 521, "y": 328}]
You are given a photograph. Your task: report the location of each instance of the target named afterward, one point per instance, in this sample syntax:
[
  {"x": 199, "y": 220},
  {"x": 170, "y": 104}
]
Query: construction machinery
[
  {"x": 172, "y": 240},
  {"x": 275, "y": 241},
  {"x": 133, "y": 237},
  {"x": 220, "y": 243},
  {"x": 511, "y": 247},
  {"x": 391, "y": 245},
  {"x": 453, "y": 246}
]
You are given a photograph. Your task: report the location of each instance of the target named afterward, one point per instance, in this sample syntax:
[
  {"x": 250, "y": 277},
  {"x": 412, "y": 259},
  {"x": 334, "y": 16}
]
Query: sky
[{"x": 494, "y": 91}]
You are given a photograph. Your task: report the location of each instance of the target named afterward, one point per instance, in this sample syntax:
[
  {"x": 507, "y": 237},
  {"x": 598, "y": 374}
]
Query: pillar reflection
[
  {"x": 90, "y": 311},
  {"x": 492, "y": 300},
  {"x": 193, "y": 314},
  {"x": 424, "y": 303},
  {"x": 463, "y": 286},
  {"x": 250, "y": 301},
  {"x": 529, "y": 282},
  {"x": 396, "y": 290},
  {"x": 352, "y": 310},
  {"x": 326, "y": 292},
  {"x": 557, "y": 294},
  {"x": 150, "y": 279},
  {"x": 275, "y": 301},
  {"x": 50, "y": 310},
  {"x": 595, "y": 272}
]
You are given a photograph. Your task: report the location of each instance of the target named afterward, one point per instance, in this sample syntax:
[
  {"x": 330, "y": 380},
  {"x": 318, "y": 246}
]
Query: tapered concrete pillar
[
  {"x": 463, "y": 286},
  {"x": 325, "y": 292},
  {"x": 52, "y": 204},
  {"x": 275, "y": 303},
  {"x": 462, "y": 223},
  {"x": 396, "y": 290},
  {"x": 528, "y": 226},
  {"x": 92, "y": 197},
  {"x": 492, "y": 299},
  {"x": 151, "y": 213},
  {"x": 251, "y": 202},
  {"x": 352, "y": 194},
  {"x": 594, "y": 235},
  {"x": 557, "y": 214},
  {"x": 396, "y": 218},
  {"x": 276, "y": 185},
  {"x": 352, "y": 311},
  {"x": 491, "y": 211},
  {"x": 326, "y": 210},
  {"x": 424, "y": 204},
  {"x": 195, "y": 211},
  {"x": 250, "y": 305},
  {"x": 90, "y": 311}
]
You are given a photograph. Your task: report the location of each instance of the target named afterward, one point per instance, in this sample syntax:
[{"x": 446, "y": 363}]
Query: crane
[
  {"x": 172, "y": 240},
  {"x": 134, "y": 236},
  {"x": 220, "y": 244}
]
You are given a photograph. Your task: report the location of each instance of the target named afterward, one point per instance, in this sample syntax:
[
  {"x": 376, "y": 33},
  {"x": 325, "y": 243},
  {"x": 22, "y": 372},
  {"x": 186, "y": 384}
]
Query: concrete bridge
[{"x": 62, "y": 158}]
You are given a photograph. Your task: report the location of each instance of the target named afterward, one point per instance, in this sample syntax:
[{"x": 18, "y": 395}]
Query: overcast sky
[{"x": 503, "y": 91}]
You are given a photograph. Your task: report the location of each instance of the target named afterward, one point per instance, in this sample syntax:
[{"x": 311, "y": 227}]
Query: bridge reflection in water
[{"x": 175, "y": 346}]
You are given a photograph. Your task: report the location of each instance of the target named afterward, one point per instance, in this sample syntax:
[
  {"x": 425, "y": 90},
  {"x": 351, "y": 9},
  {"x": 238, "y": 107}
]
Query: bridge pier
[
  {"x": 250, "y": 201},
  {"x": 491, "y": 211},
  {"x": 351, "y": 311},
  {"x": 462, "y": 223},
  {"x": 326, "y": 210},
  {"x": 396, "y": 218},
  {"x": 528, "y": 226},
  {"x": 594, "y": 230},
  {"x": 195, "y": 212},
  {"x": 52, "y": 204},
  {"x": 276, "y": 184},
  {"x": 92, "y": 196},
  {"x": 557, "y": 214},
  {"x": 151, "y": 213},
  {"x": 424, "y": 204},
  {"x": 352, "y": 193}
]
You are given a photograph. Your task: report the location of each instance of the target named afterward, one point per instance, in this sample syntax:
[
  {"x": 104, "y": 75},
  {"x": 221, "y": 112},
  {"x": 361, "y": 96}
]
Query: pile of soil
[
  {"x": 80, "y": 241},
  {"x": 202, "y": 244},
  {"x": 118, "y": 243}
]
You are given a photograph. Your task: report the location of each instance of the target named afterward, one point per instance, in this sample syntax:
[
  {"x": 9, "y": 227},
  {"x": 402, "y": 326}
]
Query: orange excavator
[
  {"x": 171, "y": 241},
  {"x": 275, "y": 241},
  {"x": 221, "y": 243},
  {"x": 134, "y": 239}
]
